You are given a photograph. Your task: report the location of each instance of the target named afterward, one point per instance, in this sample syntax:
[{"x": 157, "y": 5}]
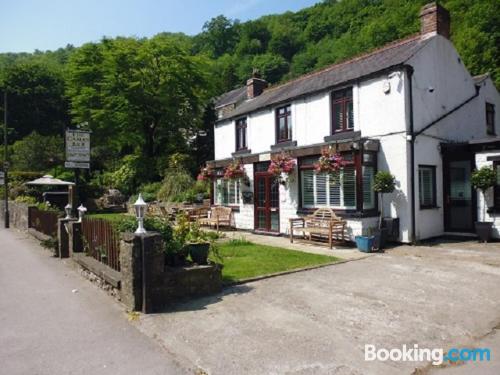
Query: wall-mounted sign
[
  {"x": 74, "y": 164},
  {"x": 265, "y": 157},
  {"x": 77, "y": 149}
]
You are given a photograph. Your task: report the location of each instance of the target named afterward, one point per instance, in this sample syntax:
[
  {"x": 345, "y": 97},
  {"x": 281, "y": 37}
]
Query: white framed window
[
  {"x": 226, "y": 192},
  {"x": 329, "y": 190},
  {"x": 427, "y": 185}
]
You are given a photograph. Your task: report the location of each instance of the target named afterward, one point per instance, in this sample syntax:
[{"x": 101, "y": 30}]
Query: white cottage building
[{"x": 410, "y": 107}]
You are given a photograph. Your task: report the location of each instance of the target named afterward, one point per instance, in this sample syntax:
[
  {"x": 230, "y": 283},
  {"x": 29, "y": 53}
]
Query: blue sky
[{"x": 26, "y": 25}]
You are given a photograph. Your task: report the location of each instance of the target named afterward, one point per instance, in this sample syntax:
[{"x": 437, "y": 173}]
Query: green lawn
[
  {"x": 113, "y": 217},
  {"x": 245, "y": 260}
]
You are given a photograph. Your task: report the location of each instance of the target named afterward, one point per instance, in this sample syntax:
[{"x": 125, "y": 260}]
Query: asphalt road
[{"x": 46, "y": 328}]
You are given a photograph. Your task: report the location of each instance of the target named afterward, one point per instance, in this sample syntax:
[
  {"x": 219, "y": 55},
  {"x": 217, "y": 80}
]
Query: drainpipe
[{"x": 411, "y": 136}]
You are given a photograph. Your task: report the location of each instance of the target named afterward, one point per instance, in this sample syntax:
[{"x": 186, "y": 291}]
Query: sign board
[
  {"x": 265, "y": 157},
  {"x": 74, "y": 164},
  {"x": 2, "y": 178},
  {"x": 77, "y": 149}
]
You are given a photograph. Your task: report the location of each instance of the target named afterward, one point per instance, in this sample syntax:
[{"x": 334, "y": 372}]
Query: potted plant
[
  {"x": 234, "y": 170},
  {"x": 197, "y": 244},
  {"x": 482, "y": 179},
  {"x": 384, "y": 183},
  {"x": 282, "y": 166},
  {"x": 330, "y": 161}
]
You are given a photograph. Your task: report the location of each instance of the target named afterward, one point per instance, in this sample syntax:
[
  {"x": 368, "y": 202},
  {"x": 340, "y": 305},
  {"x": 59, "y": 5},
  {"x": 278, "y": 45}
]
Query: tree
[
  {"x": 143, "y": 94},
  {"x": 272, "y": 67},
  {"x": 37, "y": 153},
  {"x": 36, "y": 99},
  {"x": 219, "y": 36}
]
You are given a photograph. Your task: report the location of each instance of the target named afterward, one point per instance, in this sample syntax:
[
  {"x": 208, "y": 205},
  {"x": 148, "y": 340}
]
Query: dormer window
[
  {"x": 241, "y": 134},
  {"x": 284, "y": 124},
  {"x": 342, "y": 111}
]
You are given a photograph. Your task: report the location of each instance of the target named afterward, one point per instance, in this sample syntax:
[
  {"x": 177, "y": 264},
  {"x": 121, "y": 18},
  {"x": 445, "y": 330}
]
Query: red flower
[
  {"x": 281, "y": 163},
  {"x": 234, "y": 170},
  {"x": 330, "y": 161},
  {"x": 205, "y": 174}
]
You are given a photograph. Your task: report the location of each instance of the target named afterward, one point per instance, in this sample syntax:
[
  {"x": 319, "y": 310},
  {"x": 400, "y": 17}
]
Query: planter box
[{"x": 365, "y": 244}]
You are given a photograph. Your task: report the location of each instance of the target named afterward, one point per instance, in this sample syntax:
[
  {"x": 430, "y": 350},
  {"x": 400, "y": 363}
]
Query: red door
[{"x": 266, "y": 200}]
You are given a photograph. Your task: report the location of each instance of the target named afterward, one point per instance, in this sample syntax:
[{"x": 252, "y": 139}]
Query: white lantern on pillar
[
  {"x": 81, "y": 212},
  {"x": 140, "y": 212},
  {"x": 67, "y": 209}
]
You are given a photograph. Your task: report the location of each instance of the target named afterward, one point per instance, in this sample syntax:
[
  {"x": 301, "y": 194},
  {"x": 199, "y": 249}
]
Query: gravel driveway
[{"x": 318, "y": 322}]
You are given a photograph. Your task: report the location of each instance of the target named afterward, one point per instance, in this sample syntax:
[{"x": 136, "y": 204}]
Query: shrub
[
  {"x": 384, "y": 182},
  {"x": 154, "y": 224},
  {"x": 132, "y": 171},
  {"x": 177, "y": 180},
  {"x": 484, "y": 178},
  {"x": 26, "y": 199},
  {"x": 149, "y": 192},
  {"x": 45, "y": 206}
]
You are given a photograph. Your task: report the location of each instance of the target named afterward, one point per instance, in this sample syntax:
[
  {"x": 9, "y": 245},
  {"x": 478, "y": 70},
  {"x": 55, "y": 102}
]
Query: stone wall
[
  {"x": 18, "y": 214},
  {"x": 155, "y": 287}
]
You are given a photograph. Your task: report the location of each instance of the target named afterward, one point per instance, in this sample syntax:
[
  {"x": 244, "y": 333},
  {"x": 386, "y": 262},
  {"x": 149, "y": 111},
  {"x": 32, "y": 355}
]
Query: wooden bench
[
  {"x": 322, "y": 223},
  {"x": 198, "y": 213},
  {"x": 218, "y": 216}
]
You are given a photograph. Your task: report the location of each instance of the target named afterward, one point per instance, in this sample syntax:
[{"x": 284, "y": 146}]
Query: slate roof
[
  {"x": 230, "y": 97},
  {"x": 391, "y": 55}
]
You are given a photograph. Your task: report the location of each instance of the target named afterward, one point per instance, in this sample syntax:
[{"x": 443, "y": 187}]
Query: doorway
[
  {"x": 266, "y": 202},
  {"x": 459, "y": 200}
]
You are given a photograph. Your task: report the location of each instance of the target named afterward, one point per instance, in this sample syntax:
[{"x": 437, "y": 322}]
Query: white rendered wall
[
  {"x": 224, "y": 140},
  {"x": 441, "y": 83},
  {"x": 245, "y": 218},
  {"x": 484, "y": 202}
]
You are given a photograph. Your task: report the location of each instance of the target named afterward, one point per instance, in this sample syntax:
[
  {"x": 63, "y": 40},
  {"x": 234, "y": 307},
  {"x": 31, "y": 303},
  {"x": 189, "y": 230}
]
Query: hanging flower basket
[
  {"x": 206, "y": 174},
  {"x": 282, "y": 166},
  {"x": 234, "y": 171},
  {"x": 330, "y": 161}
]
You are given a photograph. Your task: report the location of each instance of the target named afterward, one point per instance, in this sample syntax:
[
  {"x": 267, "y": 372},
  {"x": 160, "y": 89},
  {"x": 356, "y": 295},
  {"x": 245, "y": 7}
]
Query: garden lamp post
[
  {"x": 81, "y": 212},
  {"x": 140, "y": 210},
  {"x": 67, "y": 209}
]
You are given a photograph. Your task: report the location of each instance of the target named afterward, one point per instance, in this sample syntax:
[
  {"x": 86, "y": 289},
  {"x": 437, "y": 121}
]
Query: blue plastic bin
[{"x": 365, "y": 244}]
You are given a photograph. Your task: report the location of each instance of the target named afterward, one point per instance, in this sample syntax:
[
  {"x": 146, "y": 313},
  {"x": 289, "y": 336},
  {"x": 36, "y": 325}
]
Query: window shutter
[
  {"x": 349, "y": 186},
  {"x": 368, "y": 193},
  {"x": 337, "y": 113},
  {"x": 237, "y": 187},
  {"x": 350, "y": 115},
  {"x": 321, "y": 179},
  {"x": 426, "y": 188},
  {"x": 307, "y": 188},
  {"x": 335, "y": 190},
  {"x": 231, "y": 192}
]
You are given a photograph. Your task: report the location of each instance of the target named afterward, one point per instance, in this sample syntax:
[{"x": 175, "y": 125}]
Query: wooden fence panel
[
  {"x": 101, "y": 241},
  {"x": 44, "y": 221}
]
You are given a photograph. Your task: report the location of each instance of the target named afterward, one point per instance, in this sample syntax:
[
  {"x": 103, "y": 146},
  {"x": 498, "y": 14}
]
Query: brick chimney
[
  {"x": 255, "y": 85},
  {"x": 434, "y": 19}
]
